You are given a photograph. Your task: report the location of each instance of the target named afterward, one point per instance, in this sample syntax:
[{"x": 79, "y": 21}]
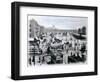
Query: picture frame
[{"x": 22, "y": 12}]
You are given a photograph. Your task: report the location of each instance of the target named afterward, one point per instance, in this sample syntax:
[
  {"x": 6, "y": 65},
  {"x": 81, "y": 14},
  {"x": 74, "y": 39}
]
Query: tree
[
  {"x": 84, "y": 30},
  {"x": 79, "y": 31}
]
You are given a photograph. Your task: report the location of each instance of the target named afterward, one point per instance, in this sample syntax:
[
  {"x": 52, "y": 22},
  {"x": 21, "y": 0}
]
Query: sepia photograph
[{"x": 56, "y": 40}]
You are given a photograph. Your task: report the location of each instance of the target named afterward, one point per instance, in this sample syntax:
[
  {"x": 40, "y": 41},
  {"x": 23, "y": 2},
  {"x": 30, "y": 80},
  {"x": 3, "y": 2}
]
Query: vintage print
[{"x": 56, "y": 40}]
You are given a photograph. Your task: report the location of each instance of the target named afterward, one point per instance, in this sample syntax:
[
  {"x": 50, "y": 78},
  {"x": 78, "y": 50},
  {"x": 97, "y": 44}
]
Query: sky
[{"x": 60, "y": 22}]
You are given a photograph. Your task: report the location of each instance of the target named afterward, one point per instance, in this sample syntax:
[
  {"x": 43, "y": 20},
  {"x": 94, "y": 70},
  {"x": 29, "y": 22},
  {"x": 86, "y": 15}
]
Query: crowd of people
[{"x": 56, "y": 48}]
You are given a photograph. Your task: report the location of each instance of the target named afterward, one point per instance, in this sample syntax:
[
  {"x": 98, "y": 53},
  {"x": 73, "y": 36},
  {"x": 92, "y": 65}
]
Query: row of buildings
[{"x": 35, "y": 29}]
